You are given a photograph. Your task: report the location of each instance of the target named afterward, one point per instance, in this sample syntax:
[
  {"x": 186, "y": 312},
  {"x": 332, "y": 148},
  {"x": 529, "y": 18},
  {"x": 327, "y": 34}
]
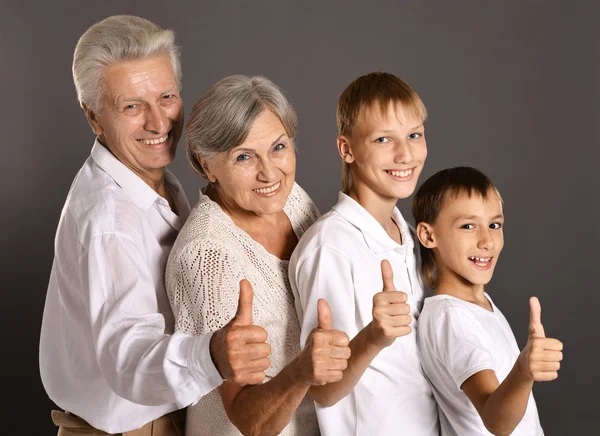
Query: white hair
[
  {"x": 116, "y": 39},
  {"x": 223, "y": 117}
]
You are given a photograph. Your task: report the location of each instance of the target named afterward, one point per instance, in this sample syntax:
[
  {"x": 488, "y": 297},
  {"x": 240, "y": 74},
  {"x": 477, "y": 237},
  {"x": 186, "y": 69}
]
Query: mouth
[
  {"x": 156, "y": 141},
  {"x": 268, "y": 191},
  {"x": 482, "y": 263},
  {"x": 401, "y": 175}
]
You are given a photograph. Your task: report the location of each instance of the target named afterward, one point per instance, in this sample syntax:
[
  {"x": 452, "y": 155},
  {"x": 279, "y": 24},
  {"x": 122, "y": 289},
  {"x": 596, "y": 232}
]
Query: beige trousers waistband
[{"x": 172, "y": 424}]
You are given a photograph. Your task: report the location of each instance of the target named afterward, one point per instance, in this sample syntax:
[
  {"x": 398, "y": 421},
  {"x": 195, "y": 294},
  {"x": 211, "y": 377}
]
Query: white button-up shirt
[
  {"x": 339, "y": 259},
  {"x": 107, "y": 352}
]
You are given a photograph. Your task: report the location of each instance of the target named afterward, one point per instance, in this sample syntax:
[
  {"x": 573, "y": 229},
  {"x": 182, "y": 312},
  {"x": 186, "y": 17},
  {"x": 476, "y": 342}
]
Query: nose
[
  {"x": 267, "y": 171},
  {"x": 403, "y": 152},
  {"x": 486, "y": 240},
  {"x": 157, "y": 120}
]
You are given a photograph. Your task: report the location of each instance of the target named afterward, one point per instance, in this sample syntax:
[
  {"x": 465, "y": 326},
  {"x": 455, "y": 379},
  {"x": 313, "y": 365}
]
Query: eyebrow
[
  {"x": 471, "y": 217},
  {"x": 393, "y": 131},
  {"x": 174, "y": 88},
  {"x": 235, "y": 150}
]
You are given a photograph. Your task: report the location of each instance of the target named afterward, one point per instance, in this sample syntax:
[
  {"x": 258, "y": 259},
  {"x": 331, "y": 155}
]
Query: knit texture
[{"x": 209, "y": 258}]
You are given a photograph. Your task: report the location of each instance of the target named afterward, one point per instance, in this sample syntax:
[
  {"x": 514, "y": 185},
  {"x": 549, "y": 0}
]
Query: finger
[
  {"x": 244, "y": 309},
  {"x": 384, "y": 298},
  {"x": 545, "y": 366},
  {"x": 387, "y": 275},
  {"x": 255, "y": 351},
  {"x": 546, "y": 376},
  {"x": 258, "y": 365},
  {"x": 245, "y": 334},
  {"x": 536, "y": 330},
  {"x": 339, "y": 353},
  {"x": 324, "y": 315}
]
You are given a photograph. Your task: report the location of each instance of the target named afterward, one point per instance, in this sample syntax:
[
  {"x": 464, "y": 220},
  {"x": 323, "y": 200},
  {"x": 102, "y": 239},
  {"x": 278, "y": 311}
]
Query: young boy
[
  {"x": 364, "y": 245},
  {"x": 481, "y": 382}
]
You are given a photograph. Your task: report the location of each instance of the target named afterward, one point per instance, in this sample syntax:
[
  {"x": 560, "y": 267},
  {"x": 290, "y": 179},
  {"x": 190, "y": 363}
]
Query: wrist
[
  {"x": 373, "y": 344},
  {"x": 214, "y": 347}
]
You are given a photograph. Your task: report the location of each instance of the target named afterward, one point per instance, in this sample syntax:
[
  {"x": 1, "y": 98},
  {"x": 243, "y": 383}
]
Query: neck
[
  {"x": 450, "y": 283},
  {"x": 381, "y": 208}
]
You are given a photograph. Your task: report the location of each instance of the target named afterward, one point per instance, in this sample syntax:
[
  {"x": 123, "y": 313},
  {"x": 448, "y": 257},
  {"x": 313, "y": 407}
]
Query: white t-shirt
[
  {"x": 339, "y": 259},
  {"x": 458, "y": 339},
  {"x": 209, "y": 258}
]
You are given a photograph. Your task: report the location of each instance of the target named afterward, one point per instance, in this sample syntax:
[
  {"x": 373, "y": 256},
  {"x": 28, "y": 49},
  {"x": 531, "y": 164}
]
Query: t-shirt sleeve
[
  {"x": 203, "y": 285},
  {"x": 323, "y": 273},
  {"x": 461, "y": 344}
]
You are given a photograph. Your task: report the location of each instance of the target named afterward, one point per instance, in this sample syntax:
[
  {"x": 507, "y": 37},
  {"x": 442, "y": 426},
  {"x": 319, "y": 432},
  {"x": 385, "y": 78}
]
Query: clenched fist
[
  {"x": 325, "y": 355},
  {"x": 541, "y": 357},
  {"x": 239, "y": 349},
  {"x": 391, "y": 313}
]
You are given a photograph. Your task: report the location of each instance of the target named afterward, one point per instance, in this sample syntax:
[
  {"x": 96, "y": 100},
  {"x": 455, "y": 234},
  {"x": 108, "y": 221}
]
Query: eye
[
  {"x": 130, "y": 107},
  {"x": 468, "y": 226},
  {"x": 495, "y": 226},
  {"x": 242, "y": 157},
  {"x": 279, "y": 147},
  {"x": 414, "y": 136},
  {"x": 382, "y": 140}
]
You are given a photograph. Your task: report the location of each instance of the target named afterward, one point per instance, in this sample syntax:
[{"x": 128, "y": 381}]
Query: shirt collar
[
  {"x": 138, "y": 191},
  {"x": 375, "y": 236}
]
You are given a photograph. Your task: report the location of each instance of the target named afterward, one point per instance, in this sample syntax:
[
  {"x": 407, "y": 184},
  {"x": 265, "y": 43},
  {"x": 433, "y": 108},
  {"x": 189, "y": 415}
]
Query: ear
[
  {"x": 92, "y": 118},
  {"x": 345, "y": 150},
  {"x": 206, "y": 167},
  {"x": 425, "y": 235}
]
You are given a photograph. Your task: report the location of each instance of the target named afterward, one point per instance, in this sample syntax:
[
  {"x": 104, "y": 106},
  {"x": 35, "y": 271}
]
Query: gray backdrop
[{"x": 511, "y": 88}]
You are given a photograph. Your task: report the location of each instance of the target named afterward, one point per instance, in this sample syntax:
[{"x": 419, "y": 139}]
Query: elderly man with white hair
[{"x": 108, "y": 354}]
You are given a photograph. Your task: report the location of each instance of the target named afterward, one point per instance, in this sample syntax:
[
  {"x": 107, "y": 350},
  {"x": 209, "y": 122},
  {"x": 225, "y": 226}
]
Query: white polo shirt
[
  {"x": 339, "y": 259},
  {"x": 458, "y": 339},
  {"x": 107, "y": 352}
]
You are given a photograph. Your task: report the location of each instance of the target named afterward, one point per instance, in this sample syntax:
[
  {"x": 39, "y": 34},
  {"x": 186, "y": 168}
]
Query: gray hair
[
  {"x": 224, "y": 115},
  {"x": 116, "y": 39}
]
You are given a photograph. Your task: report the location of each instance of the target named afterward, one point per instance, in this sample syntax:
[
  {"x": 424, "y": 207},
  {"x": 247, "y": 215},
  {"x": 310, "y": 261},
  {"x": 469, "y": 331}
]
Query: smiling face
[
  {"x": 386, "y": 152},
  {"x": 466, "y": 239},
  {"x": 258, "y": 175},
  {"x": 142, "y": 115}
]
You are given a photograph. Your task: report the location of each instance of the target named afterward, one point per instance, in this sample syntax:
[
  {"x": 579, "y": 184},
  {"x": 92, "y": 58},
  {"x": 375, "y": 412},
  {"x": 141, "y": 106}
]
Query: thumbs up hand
[
  {"x": 325, "y": 355},
  {"x": 541, "y": 357},
  {"x": 391, "y": 313},
  {"x": 239, "y": 349}
]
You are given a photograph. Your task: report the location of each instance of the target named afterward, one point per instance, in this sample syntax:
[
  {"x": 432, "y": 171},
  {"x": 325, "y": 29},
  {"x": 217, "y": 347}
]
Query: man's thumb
[
  {"x": 244, "y": 310},
  {"x": 536, "y": 329},
  {"x": 324, "y": 315},
  {"x": 387, "y": 275}
]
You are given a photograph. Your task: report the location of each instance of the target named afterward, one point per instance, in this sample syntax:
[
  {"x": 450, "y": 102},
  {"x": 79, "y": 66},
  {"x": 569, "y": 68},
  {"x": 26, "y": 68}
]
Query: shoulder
[
  {"x": 96, "y": 205},
  {"x": 331, "y": 233},
  {"x": 207, "y": 229},
  {"x": 301, "y": 210}
]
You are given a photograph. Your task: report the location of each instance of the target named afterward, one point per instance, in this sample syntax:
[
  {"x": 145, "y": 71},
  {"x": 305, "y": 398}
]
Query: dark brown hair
[
  {"x": 429, "y": 199},
  {"x": 373, "y": 90}
]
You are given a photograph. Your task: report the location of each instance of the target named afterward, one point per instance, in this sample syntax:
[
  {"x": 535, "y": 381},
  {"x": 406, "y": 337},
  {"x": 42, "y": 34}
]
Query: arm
[
  {"x": 502, "y": 405},
  {"x": 391, "y": 319},
  {"x": 327, "y": 273},
  {"x": 265, "y": 408},
  {"x": 138, "y": 360}
]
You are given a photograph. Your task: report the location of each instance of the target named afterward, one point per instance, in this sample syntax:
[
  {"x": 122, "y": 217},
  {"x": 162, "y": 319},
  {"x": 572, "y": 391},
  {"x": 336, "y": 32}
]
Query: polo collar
[
  {"x": 375, "y": 236},
  {"x": 137, "y": 190}
]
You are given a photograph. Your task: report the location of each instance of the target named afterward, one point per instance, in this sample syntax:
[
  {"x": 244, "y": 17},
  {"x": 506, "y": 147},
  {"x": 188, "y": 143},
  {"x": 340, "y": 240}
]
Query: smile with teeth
[
  {"x": 268, "y": 190},
  {"x": 481, "y": 262},
  {"x": 154, "y": 141},
  {"x": 398, "y": 173}
]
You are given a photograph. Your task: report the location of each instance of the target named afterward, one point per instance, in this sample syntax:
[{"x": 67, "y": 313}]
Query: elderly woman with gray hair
[{"x": 240, "y": 136}]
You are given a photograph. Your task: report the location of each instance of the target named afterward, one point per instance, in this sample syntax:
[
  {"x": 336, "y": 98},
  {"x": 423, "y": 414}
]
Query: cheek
[{"x": 420, "y": 151}]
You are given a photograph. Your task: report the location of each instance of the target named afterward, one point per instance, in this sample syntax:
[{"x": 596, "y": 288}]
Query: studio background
[{"x": 511, "y": 88}]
